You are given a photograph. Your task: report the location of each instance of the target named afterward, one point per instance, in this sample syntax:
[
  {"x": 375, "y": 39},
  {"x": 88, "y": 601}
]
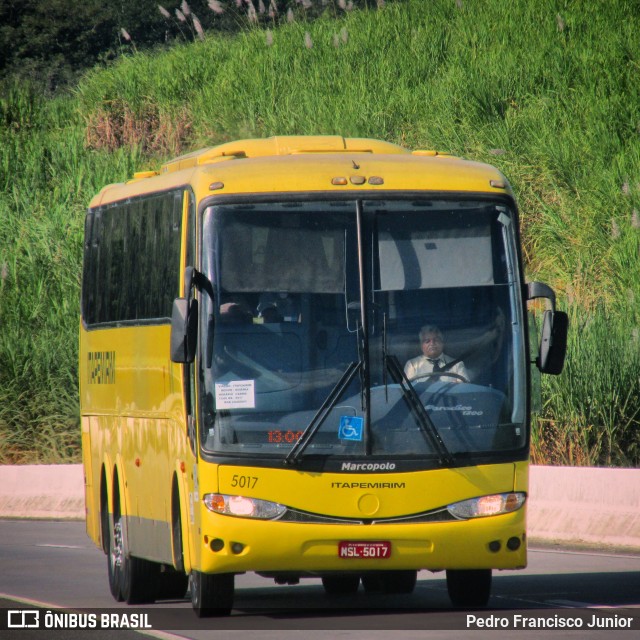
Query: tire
[
  {"x": 131, "y": 579},
  {"x": 469, "y": 587},
  {"x": 172, "y": 585},
  {"x": 372, "y": 582},
  {"x": 113, "y": 539},
  {"x": 340, "y": 585},
  {"x": 211, "y": 594},
  {"x": 399, "y": 581},
  {"x": 139, "y": 580},
  {"x": 389, "y": 581}
]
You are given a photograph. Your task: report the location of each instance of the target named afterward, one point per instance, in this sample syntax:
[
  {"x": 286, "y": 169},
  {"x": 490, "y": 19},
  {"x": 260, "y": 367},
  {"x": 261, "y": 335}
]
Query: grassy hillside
[{"x": 546, "y": 90}]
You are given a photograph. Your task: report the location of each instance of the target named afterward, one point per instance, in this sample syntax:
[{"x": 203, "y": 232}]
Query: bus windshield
[{"x": 350, "y": 329}]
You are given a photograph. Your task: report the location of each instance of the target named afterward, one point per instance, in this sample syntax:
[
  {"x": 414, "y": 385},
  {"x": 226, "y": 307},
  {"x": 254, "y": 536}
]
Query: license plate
[{"x": 367, "y": 550}]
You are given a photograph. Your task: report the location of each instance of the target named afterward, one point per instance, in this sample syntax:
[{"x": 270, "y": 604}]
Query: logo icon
[
  {"x": 23, "y": 619},
  {"x": 351, "y": 428}
]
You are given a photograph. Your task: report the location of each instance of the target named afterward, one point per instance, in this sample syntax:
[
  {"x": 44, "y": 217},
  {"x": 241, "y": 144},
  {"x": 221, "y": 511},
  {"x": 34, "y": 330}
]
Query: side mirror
[
  {"x": 184, "y": 330},
  {"x": 184, "y": 317},
  {"x": 555, "y": 325},
  {"x": 190, "y": 275},
  {"x": 553, "y": 344}
]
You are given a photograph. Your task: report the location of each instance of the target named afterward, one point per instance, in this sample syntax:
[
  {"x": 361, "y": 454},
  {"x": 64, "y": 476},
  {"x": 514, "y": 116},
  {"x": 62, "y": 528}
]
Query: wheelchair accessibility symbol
[{"x": 351, "y": 428}]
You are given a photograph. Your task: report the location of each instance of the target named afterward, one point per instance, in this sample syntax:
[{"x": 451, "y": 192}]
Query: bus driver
[{"x": 433, "y": 360}]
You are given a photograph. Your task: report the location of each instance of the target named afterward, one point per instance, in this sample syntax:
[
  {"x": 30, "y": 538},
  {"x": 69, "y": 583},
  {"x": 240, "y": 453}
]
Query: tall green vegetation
[
  {"x": 547, "y": 90},
  {"x": 46, "y": 176},
  {"x": 54, "y": 41}
]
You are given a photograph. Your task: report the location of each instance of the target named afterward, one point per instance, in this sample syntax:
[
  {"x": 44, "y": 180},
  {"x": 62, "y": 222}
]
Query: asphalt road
[{"x": 54, "y": 564}]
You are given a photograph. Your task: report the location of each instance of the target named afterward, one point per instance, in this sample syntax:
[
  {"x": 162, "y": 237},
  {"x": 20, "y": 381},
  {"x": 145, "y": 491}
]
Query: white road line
[
  {"x": 33, "y": 603},
  {"x": 62, "y": 546},
  {"x": 518, "y": 599},
  {"x": 573, "y": 604},
  {"x": 586, "y": 553}
]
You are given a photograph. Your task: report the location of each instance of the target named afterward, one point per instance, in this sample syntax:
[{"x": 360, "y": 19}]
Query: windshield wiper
[
  {"x": 317, "y": 420},
  {"x": 417, "y": 409},
  {"x": 362, "y": 366}
]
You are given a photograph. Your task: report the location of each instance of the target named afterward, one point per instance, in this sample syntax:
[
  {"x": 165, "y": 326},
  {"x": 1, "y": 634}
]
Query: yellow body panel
[
  {"x": 265, "y": 166},
  {"x": 365, "y": 495},
  {"x": 307, "y": 548},
  {"x": 134, "y": 425},
  {"x": 284, "y": 546}
]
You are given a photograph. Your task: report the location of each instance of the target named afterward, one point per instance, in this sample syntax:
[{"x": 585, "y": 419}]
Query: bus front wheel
[
  {"x": 211, "y": 594},
  {"x": 469, "y": 587}
]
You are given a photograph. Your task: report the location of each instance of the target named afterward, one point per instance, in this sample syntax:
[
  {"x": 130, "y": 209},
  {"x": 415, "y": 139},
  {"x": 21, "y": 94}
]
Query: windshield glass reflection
[{"x": 284, "y": 360}]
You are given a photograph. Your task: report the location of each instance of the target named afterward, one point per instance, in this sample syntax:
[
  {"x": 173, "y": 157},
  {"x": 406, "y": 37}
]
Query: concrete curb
[
  {"x": 585, "y": 505},
  {"x": 569, "y": 505},
  {"x": 53, "y": 491}
]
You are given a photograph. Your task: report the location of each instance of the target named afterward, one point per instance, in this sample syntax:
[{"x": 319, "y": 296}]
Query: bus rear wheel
[
  {"x": 113, "y": 539},
  {"x": 211, "y": 594},
  {"x": 469, "y": 587},
  {"x": 390, "y": 581},
  {"x": 131, "y": 579},
  {"x": 172, "y": 585},
  {"x": 138, "y": 577},
  {"x": 399, "y": 581},
  {"x": 139, "y": 580},
  {"x": 338, "y": 585}
]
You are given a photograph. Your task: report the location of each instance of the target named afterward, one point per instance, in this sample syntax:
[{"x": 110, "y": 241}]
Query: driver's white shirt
[{"x": 422, "y": 366}]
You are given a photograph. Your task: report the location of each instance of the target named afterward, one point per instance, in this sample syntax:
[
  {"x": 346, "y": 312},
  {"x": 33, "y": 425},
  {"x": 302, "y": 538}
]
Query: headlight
[
  {"x": 493, "y": 505},
  {"x": 243, "y": 507}
]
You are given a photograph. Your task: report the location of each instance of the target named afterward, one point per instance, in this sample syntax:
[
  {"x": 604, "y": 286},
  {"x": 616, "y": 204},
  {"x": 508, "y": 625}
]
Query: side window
[
  {"x": 131, "y": 268},
  {"x": 149, "y": 290},
  {"x": 133, "y": 260},
  {"x": 117, "y": 283},
  {"x": 102, "y": 279},
  {"x": 145, "y": 266}
]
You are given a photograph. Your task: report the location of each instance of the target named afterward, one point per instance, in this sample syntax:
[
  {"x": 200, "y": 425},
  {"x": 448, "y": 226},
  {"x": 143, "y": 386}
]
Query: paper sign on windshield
[{"x": 238, "y": 394}]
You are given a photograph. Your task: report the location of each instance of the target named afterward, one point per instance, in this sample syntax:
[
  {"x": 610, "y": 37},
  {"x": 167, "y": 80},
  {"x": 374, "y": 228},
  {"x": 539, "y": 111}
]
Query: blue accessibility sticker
[{"x": 351, "y": 428}]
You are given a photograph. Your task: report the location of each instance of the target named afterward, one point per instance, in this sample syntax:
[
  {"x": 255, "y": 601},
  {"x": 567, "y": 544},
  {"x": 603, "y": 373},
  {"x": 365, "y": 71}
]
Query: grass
[
  {"x": 591, "y": 414},
  {"x": 546, "y": 90}
]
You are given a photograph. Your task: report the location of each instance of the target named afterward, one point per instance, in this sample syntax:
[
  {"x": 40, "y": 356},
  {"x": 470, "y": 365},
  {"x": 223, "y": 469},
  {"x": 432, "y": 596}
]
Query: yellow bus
[{"x": 308, "y": 356}]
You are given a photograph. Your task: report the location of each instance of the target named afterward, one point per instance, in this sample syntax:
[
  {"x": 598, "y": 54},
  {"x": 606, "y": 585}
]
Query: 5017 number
[{"x": 244, "y": 482}]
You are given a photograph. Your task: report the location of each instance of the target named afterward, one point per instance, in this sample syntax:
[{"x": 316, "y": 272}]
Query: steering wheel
[{"x": 439, "y": 374}]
